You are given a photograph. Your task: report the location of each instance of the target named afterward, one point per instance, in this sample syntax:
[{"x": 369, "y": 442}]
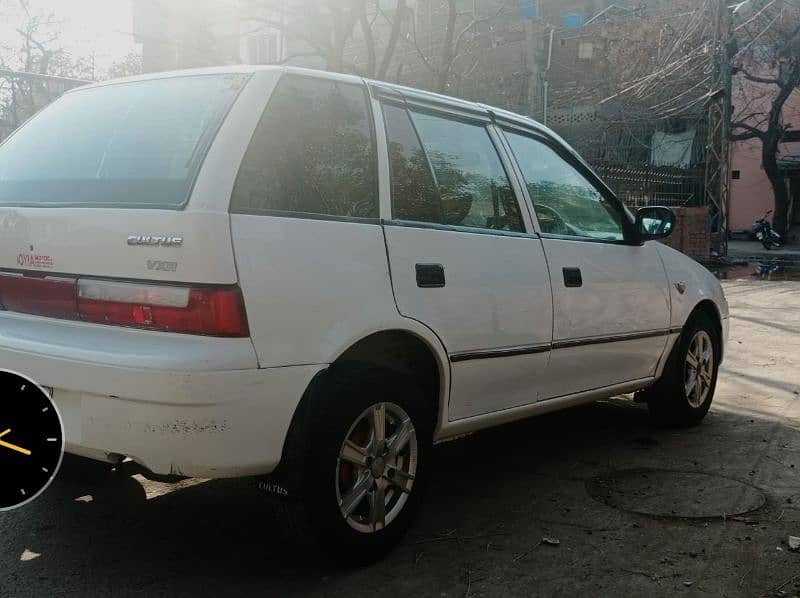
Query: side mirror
[{"x": 654, "y": 222}]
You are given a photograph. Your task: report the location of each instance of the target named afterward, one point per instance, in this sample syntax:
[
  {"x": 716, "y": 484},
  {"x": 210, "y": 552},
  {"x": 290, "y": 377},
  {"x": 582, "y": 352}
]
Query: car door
[
  {"x": 611, "y": 312},
  {"x": 462, "y": 256}
]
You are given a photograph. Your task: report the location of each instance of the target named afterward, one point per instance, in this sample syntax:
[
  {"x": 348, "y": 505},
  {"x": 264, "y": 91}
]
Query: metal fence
[
  {"x": 22, "y": 94},
  {"x": 646, "y": 185}
]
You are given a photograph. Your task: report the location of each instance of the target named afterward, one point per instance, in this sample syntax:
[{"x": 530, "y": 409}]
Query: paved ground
[
  {"x": 496, "y": 495},
  {"x": 754, "y": 249}
]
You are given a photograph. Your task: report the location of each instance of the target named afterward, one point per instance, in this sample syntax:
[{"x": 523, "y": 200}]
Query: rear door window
[
  {"x": 137, "y": 144},
  {"x": 447, "y": 171},
  {"x": 313, "y": 152}
]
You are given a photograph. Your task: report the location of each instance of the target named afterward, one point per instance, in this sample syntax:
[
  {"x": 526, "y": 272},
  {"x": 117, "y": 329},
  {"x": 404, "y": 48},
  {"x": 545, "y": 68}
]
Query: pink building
[{"x": 751, "y": 193}]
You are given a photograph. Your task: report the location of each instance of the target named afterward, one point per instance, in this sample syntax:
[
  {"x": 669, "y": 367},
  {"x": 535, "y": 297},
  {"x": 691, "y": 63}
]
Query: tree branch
[
  {"x": 369, "y": 39},
  {"x": 394, "y": 36},
  {"x": 758, "y": 79},
  {"x": 751, "y": 132}
]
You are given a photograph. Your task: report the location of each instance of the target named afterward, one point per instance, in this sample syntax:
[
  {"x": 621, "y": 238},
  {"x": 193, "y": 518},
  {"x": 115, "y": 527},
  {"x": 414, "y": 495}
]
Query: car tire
[
  {"x": 683, "y": 394},
  {"x": 322, "y": 479}
]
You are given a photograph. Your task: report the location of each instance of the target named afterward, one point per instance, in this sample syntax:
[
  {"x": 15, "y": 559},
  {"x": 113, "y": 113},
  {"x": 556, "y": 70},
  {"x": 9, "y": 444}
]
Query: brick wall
[{"x": 691, "y": 235}]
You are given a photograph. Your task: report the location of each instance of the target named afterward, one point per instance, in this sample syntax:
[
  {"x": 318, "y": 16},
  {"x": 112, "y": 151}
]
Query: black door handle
[
  {"x": 572, "y": 277},
  {"x": 430, "y": 276}
]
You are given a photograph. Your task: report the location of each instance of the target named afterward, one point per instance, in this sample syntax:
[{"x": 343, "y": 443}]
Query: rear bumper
[{"x": 176, "y": 404}]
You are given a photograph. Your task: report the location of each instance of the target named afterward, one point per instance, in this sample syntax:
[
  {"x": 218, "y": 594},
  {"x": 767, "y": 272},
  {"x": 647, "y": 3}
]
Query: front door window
[{"x": 566, "y": 203}]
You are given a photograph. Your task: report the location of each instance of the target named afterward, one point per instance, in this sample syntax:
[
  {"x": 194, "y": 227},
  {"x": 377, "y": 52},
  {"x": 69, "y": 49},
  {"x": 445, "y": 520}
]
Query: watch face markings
[{"x": 31, "y": 440}]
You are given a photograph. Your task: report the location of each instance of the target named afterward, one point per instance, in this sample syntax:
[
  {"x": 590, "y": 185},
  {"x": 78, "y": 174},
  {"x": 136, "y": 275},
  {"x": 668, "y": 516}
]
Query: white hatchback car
[{"x": 267, "y": 270}]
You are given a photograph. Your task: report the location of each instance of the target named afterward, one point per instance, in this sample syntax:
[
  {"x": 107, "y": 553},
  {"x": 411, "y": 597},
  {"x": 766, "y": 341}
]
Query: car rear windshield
[{"x": 137, "y": 144}]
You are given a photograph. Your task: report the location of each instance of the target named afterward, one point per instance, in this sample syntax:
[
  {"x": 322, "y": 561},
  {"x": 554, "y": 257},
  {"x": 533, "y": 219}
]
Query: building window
[
  {"x": 585, "y": 51},
  {"x": 736, "y": 175},
  {"x": 263, "y": 48}
]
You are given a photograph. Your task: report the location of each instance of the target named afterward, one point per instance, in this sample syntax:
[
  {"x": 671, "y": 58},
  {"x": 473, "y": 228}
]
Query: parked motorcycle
[{"x": 764, "y": 232}]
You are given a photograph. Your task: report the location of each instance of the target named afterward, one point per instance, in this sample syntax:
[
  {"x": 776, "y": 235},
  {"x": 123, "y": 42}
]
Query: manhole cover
[{"x": 666, "y": 493}]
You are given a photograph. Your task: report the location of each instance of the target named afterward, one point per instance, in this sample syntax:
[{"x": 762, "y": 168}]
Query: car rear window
[{"x": 137, "y": 144}]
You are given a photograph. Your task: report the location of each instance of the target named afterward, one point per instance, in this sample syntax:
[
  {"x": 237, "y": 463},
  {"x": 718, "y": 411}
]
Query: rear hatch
[{"x": 94, "y": 222}]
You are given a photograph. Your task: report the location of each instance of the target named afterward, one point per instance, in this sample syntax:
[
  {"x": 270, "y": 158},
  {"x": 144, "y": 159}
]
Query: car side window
[
  {"x": 566, "y": 203},
  {"x": 447, "y": 172},
  {"x": 473, "y": 185},
  {"x": 313, "y": 152},
  {"x": 414, "y": 194}
]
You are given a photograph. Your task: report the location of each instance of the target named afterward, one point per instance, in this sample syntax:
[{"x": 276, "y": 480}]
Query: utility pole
[{"x": 717, "y": 181}]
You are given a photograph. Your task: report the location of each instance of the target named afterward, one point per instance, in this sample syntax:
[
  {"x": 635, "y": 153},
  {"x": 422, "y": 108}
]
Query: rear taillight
[
  {"x": 41, "y": 295},
  {"x": 212, "y": 311}
]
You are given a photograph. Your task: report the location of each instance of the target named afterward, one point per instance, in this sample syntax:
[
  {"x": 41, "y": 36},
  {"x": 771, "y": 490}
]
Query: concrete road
[{"x": 577, "y": 477}]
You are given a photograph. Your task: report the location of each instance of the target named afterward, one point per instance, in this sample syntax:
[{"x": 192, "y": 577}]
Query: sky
[{"x": 102, "y": 27}]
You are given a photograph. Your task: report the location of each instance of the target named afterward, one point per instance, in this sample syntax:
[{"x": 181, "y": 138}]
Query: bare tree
[
  {"x": 38, "y": 52},
  {"x": 366, "y": 36},
  {"x": 767, "y": 74},
  {"x": 660, "y": 64},
  {"x": 334, "y": 31},
  {"x": 451, "y": 54}
]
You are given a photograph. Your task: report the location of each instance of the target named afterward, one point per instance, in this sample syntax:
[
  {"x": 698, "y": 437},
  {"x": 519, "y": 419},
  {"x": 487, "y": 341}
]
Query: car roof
[
  {"x": 406, "y": 91},
  {"x": 226, "y": 70}
]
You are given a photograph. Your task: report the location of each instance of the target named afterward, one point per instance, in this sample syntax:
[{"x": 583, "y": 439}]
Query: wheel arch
[
  {"x": 415, "y": 352},
  {"x": 409, "y": 352},
  {"x": 710, "y": 309}
]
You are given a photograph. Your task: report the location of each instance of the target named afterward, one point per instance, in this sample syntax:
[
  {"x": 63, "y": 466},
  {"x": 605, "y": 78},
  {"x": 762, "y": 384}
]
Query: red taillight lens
[
  {"x": 211, "y": 311},
  {"x": 39, "y": 295}
]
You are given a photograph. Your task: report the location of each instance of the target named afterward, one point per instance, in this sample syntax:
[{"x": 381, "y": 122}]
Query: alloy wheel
[
  {"x": 698, "y": 369},
  {"x": 376, "y": 467}
]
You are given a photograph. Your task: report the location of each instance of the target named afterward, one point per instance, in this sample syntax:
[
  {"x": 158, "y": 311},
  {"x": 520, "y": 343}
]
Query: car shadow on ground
[{"x": 493, "y": 498}]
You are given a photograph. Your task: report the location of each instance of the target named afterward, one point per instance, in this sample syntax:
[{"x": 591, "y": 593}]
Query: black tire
[
  {"x": 311, "y": 461},
  {"x": 668, "y": 400}
]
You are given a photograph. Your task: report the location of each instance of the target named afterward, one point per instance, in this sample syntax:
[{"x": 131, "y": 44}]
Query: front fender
[{"x": 690, "y": 283}]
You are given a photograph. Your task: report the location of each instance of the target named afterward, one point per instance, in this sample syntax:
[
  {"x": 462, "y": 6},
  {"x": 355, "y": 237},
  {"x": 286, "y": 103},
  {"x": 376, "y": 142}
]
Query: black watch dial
[{"x": 31, "y": 440}]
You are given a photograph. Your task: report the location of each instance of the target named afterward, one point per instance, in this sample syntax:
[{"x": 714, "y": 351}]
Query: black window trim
[
  {"x": 308, "y": 216},
  {"x": 456, "y": 228},
  {"x": 446, "y": 111},
  {"x": 629, "y": 232},
  {"x": 370, "y": 116},
  {"x": 454, "y": 108}
]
